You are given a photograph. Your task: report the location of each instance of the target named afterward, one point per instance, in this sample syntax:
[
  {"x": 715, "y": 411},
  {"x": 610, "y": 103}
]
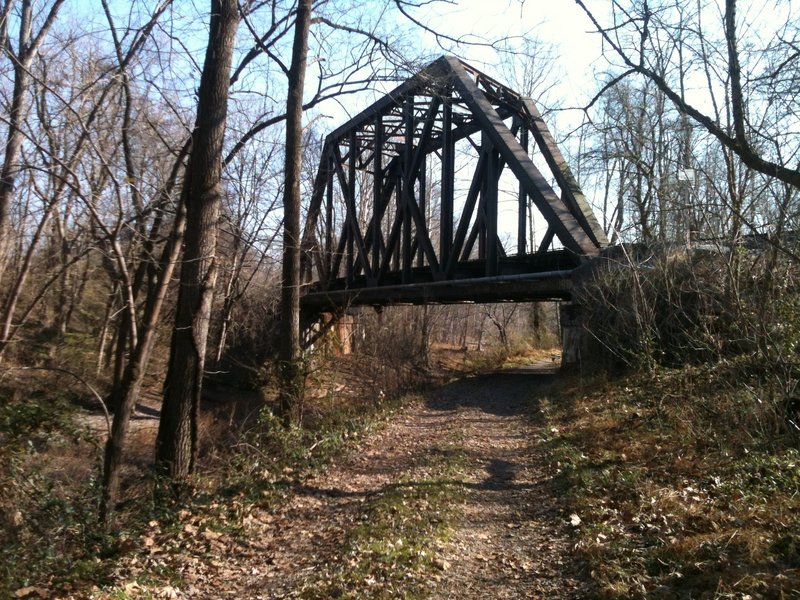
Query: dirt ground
[
  {"x": 513, "y": 539},
  {"x": 510, "y": 537}
]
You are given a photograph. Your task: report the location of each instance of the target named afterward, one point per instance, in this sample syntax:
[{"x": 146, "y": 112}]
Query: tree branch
[{"x": 738, "y": 143}]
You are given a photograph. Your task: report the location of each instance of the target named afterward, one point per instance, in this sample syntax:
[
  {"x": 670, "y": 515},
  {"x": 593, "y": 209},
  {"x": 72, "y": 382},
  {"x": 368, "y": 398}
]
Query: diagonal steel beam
[
  {"x": 423, "y": 236},
  {"x": 374, "y": 237},
  {"x": 570, "y": 189},
  {"x": 348, "y": 189},
  {"x": 466, "y": 214},
  {"x": 309, "y": 242},
  {"x": 554, "y": 210}
]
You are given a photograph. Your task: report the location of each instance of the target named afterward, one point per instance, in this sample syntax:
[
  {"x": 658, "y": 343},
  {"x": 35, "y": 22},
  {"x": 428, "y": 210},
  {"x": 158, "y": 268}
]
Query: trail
[
  {"x": 512, "y": 541},
  {"x": 511, "y": 536}
]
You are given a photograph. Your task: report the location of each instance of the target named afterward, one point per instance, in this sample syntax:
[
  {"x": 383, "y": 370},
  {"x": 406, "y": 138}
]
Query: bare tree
[
  {"x": 642, "y": 38},
  {"x": 22, "y": 58},
  {"x": 632, "y": 149},
  {"x": 176, "y": 445}
]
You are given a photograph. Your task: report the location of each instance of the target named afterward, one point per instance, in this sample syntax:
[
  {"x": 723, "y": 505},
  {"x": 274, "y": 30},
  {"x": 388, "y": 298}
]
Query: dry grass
[{"x": 676, "y": 497}]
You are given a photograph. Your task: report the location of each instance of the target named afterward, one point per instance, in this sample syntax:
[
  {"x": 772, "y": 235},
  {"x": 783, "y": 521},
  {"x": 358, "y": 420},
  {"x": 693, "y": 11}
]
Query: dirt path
[
  {"x": 512, "y": 541},
  {"x": 510, "y": 538}
]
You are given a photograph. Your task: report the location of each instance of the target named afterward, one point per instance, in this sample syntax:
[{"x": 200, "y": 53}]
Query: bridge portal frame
[{"x": 388, "y": 249}]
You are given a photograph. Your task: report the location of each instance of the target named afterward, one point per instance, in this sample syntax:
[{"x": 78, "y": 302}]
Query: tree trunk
[
  {"x": 127, "y": 388},
  {"x": 9, "y": 310},
  {"x": 426, "y": 337},
  {"x": 131, "y": 384},
  {"x": 228, "y": 302},
  {"x": 176, "y": 444},
  {"x": 103, "y": 339},
  {"x": 27, "y": 49},
  {"x": 289, "y": 355}
]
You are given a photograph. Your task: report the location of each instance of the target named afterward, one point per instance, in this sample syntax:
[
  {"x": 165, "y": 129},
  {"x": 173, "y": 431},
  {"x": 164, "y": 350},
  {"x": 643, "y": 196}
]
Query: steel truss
[{"x": 387, "y": 247}]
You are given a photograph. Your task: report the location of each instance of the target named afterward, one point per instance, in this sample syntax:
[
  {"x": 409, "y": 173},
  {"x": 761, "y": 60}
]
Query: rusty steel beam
[
  {"x": 556, "y": 285},
  {"x": 570, "y": 189},
  {"x": 567, "y": 228}
]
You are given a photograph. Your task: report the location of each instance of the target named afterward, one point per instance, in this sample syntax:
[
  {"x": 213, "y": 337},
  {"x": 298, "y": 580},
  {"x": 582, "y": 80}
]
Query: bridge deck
[{"x": 533, "y": 277}]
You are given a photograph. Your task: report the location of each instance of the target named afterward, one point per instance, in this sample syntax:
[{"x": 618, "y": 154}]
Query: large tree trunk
[
  {"x": 290, "y": 366},
  {"x": 176, "y": 444}
]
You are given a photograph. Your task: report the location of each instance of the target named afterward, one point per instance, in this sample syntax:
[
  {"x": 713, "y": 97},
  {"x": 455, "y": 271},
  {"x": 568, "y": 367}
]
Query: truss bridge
[{"x": 448, "y": 189}]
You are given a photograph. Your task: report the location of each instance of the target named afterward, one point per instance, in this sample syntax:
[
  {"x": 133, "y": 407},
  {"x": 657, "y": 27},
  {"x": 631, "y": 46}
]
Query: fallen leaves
[
  {"x": 656, "y": 509},
  {"x": 32, "y": 592},
  {"x": 378, "y": 524},
  {"x": 441, "y": 564}
]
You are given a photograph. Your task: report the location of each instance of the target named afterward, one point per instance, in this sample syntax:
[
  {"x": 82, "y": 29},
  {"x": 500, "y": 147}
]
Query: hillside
[{"x": 515, "y": 483}]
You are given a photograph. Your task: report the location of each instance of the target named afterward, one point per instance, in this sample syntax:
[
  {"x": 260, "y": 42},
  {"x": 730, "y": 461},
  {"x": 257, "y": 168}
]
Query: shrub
[{"x": 710, "y": 305}]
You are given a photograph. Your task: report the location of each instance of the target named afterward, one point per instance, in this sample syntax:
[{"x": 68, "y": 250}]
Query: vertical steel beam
[
  {"x": 330, "y": 275},
  {"x": 480, "y": 217},
  {"x": 394, "y": 243},
  {"x": 522, "y": 200},
  {"x": 421, "y": 233},
  {"x": 490, "y": 206},
  {"x": 377, "y": 191},
  {"x": 448, "y": 182},
  {"x": 351, "y": 204},
  {"x": 408, "y": 186}
]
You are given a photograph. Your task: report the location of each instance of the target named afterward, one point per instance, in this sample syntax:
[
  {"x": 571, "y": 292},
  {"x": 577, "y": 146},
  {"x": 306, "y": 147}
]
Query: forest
[{"x": 164, "y": 432}]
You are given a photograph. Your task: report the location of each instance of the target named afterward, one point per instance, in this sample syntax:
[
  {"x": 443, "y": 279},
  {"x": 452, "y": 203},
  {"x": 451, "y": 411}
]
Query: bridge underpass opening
[{"x": 437, "y": 334}]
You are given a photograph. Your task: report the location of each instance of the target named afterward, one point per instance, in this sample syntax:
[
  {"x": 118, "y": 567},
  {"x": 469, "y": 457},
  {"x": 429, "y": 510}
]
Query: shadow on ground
[
  {"x": 511, "y": 537},
  {"x": 507, "y": 393}
]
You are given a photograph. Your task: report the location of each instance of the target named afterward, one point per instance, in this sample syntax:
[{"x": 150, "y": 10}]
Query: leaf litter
[{"x": 451, "y": 498}]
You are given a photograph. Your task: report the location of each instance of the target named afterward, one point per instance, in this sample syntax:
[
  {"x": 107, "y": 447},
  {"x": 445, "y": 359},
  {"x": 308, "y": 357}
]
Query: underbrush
[
  {"x": 48, "y": 491},
  {"x": 662, "y": 307},
  {"x": 267, "y": 453},
  {"x": 249, "y": 466},
  {"x": 517, "y": 353},
  {"x": 50, "y": 464},
  {"x": 235, "y": 493},
  {"x": 54, "y": 546},
  {"x": 681, "y": 483}
]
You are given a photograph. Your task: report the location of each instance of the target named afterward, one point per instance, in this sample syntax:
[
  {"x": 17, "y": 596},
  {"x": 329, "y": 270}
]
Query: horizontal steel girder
[{"x": 524, "y": 288}]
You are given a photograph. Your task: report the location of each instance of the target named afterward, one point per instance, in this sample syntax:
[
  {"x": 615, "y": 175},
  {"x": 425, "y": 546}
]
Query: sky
[
  {"x": 562, "y": 24},
  {"x": 577, "y": 70},
  {"x": 559, "y": 23}
]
